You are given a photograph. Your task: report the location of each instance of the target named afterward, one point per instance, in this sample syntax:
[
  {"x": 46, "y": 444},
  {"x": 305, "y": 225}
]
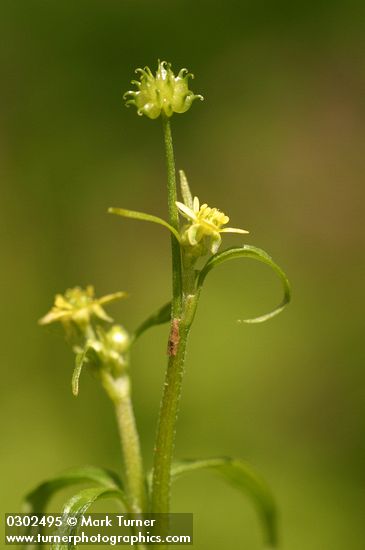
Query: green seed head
[
  {"x": 163, "y": 93},
  {"x": 111, "y": 348},
  {"x": 118, "y": 339}
]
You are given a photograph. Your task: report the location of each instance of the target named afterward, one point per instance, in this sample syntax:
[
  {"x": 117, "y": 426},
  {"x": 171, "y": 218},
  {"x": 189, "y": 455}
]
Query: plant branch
[{"x": 119, "y": 392}]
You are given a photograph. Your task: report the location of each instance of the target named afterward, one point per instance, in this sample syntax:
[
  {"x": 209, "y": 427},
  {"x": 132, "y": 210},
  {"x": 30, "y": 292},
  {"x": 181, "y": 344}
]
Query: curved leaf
[
  {"x": 144, "y": 217},
  {"x": 79, "y": 504},
  {"x": 161, "y": 316},
  {"x": 255, "y": 253},
  {"x": 243, "y": 477},
  {"x": 37, "y": 499}
]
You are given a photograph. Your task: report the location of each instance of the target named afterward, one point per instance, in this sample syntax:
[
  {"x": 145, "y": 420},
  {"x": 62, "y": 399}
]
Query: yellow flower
[
  {"x": 163, "y": 93},
  {"x": 79, "y": 306},
  {"x": 204, "y": 227}
]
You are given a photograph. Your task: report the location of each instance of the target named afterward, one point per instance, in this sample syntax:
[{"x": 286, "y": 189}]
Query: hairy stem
[
  {"x": 165, "y": 439},
  {"x": 166, "y": 432},
  {"x": 184, "y": 302},
  {"x": 119, "y": 391},
  {"x": 173, "y": 218}
]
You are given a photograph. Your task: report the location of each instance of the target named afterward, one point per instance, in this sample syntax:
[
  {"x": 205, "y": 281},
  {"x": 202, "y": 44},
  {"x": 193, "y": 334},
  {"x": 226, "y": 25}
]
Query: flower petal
[
  {"x": 111, "y": 297},
  {"x": 196, "y": 205},
  {"x": 233, "y": 230},
  {"x": 53, "y": 316},
  {"x": 195, "y": 234},
  {"x": 61, "y": 303},
  {"x": 186, "y": 211},
  {"x": 208, "y": 226},
  {"x": 98, "y": 311}
]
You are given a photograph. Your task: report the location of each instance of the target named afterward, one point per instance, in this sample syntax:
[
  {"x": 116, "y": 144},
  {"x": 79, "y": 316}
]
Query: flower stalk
[
  {"x": 173, "y": 219},
  {"x": 183, "y": 310},
  {"x": 119, "y": 392}
]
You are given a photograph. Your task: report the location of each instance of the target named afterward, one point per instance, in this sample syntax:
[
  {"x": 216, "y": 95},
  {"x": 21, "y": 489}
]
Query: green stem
[
  {"x": 173, "y": 218},
  {"x": 119, "y": 391},
  {"x": 166, "y": 432},
  {"x": 184, "y": 302},
  {"x": 165, "y": 439}
]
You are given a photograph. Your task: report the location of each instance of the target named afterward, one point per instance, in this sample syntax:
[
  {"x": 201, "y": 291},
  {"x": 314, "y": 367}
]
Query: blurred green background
[{"x": 279, "y": 145}]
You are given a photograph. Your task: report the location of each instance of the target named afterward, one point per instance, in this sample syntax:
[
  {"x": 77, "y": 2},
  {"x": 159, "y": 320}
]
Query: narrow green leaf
[
  {"x": 243, "y": 477},
  {"x": 79, "y": 504},
  {"x": 37, "y": 499},
  {"x": 144, "y": 217},
  {"x": 161, "y": 316},
  {"x": 248, "y": 251}
]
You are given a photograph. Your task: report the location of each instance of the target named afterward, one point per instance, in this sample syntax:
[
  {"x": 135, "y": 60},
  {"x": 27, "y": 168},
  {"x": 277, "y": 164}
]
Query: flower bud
[
  {"x": 118, "y": 339},
  {"x": 111, "y": 348},
  {"x": 163, "y": 93}
]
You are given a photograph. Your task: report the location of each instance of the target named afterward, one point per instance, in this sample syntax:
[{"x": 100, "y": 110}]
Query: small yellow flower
[
  {"x": 79, "y": 306},
  {"x": 163, "y": 93},
  {"x": 205, "y": 223}
]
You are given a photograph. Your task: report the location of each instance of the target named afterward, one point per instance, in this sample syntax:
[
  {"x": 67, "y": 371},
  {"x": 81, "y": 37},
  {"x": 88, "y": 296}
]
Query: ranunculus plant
[{"x": 100, "y": 345}]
